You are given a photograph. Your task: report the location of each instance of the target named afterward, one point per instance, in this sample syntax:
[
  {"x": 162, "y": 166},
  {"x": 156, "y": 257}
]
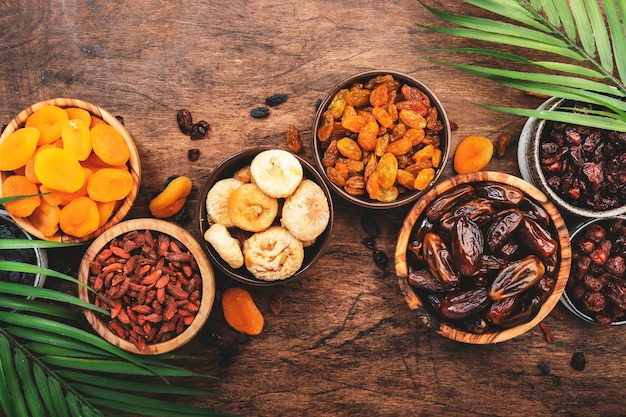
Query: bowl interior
[
  {"x": 226, "y": 169},
  {"x": 134, "y": 166},
  {"x": 417, "y": 304},
  {"x": 403, "y": 198},
  {"x": 190, "y": 243}
]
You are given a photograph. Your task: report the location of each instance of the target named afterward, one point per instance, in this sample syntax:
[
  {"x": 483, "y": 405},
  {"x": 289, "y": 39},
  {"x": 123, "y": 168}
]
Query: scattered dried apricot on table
[
  {"x": 473, "y": 154},
  {"x": 240, "y": 311}
]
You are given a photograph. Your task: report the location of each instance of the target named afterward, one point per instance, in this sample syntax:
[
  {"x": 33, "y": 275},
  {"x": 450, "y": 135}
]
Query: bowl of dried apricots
[
  {"x": 79, "y": 158},
  {"x": 381, "y": 139},
  {"x": 153, "y": 282},
  {"x": 266, "y": 216},
  {"x": 483, "y": 257}
]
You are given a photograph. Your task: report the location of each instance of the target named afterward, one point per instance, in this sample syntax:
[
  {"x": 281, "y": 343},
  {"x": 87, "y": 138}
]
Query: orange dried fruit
[
  {"x": 172, "y": 198},
  {"x": 59, "y": 169},
  {"x": 109, "y": 184},
  {"x": 77, "y": 138},
  {"x": 46, "y": 218},
  {"x": 18, "y": 148},
  {"x": 96, "y": 121},
  {"x": 382, "y": 117},
  {"x": 473, "y": 154},
  {"x": 424, "y": 178},
  {"x": 349, "y": 148},
  {"x": 367, "y": 136},
  {"x": 19, "y": 185},
  {"x": 105, "y": 208},
  {"x": 109, "y": 145},
  {"x": 240, "y": 311},
  {"x": 399, "y": 147},
  {"x": 387, "y": 169},
  {"x": 49, "y": 120},
  {"x": 80, "y": 217},
  {"x": 78, "y": 113}
]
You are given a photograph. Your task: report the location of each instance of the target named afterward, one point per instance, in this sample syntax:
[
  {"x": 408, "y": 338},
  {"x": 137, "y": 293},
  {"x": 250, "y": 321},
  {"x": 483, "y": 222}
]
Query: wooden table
[{"x": 345, "y": 343}]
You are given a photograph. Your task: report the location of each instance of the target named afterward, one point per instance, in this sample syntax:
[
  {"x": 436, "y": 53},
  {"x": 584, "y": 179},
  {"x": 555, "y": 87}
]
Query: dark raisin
[
  {"x": 182, "y": 217},
  {"x": 214, "y": 339},
  {"x": 380, "y": 259},
  {"x": 544, "y": 368},
  {"x": 453, "y": 126},
  {"x": 369, "y": 243},
  {"x": 184, "y": 120},
  {"x": 578, "y": 361},
  {"x": 260, "y": 112},
  {"x": 275, "y": 99},
  {"x": 199, "y": 130},
  {"x": 370, "y": 226},
  {"x": 120, "y": 119},
  {"x": 193, "y": 154}
]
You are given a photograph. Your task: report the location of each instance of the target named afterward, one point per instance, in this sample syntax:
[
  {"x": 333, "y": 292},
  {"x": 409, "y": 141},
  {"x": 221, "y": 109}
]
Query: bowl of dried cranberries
[
  {"x": 581, "y": 169},
  {"x": 482, "y": 257},
  {"x": 152, "y": 282},
  {"x": 82, "y": 161},
  {"x": 596, "y": 290},
  {"x": 381, "y": 139}
]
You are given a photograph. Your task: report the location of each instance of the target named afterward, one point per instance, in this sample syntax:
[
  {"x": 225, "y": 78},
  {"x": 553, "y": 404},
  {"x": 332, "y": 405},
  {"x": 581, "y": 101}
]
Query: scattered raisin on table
[
  {"x": 120, "y": 119},
  {"x": 276, "y": 99},
  {"x": 370, "y": 226},
  {"x": 184, "y": 120},
  {"x": 578, "y": 361},
  {"x": 502, "y": 143},
  {"x": 294, "y": 143},
  {"x": 380, "y": 259},
  {"x": 260, "y": 112},
  {"x": 199, "y": 130},
  {"x": 193, "y": 154},
  {"x": 544, "y": 368}
]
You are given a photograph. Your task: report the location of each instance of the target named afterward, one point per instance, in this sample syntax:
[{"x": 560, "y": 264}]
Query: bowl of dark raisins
[
  {"x": 381, "y": 139},
  {"x": 581, "y": 169},
  {"x": 596, "y": 290},
  {"x": 34, "y": 256},
  {"x": 482, "y": 257}
]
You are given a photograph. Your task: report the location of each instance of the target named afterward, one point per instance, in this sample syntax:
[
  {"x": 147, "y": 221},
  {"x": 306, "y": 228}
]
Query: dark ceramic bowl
[
  {"x": 226, "y": 169},
  {"x": 408, "y": 196},
  {"x": 417, "y": 299}
]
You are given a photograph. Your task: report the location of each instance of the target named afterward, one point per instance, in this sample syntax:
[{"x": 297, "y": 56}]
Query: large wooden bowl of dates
[{"x": 483, "y": 257}]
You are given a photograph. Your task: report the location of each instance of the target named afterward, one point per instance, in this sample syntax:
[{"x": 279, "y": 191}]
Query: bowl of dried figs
[
  {"x": 266, "y": 216},
  {"x": 596, "y": 290},
  {"x": 581, "y": 169},
  {"x": 82, "y": 161},
  {"x": 153, "y": 283},
  {"x": 381, "y": 139},
  {"x": 482, "y": 257}
]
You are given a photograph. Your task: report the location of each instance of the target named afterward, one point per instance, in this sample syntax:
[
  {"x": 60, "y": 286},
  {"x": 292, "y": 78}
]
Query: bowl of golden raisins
[
  {"x": 78, "y": 164},
  {"x": 381, "y": 139},
  {"x": 483, "y": 257}
]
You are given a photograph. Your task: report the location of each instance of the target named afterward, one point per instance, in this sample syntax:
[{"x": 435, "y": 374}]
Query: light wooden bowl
[
  {"x": 188, "y": 241},
  {"x": 418, "y": 305},
  {"x": 123, "y": 207}
]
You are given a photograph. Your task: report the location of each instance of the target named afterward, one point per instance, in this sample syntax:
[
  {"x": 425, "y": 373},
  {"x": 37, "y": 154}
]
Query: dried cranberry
[
  {"x": 184, "y": 120},
  {"x": 199, "y": 130},
  {"x": 193, "y": 154}
]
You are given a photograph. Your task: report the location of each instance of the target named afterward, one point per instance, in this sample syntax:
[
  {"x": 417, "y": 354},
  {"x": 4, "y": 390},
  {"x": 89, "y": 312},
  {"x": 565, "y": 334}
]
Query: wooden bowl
[
  {"x": 174, "y": 232},
  {"x": 226, "y": 169},
  {"x": 134, "y": 166},
  {"x": 445, "y": 327},
  {"x": 410, "y": 195}
]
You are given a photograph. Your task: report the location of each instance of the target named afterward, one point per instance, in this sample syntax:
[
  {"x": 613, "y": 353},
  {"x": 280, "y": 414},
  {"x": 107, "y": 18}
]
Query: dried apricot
[
  {"x": 18, "y": 148},
  {"x": 105, "y": 208},
  {"x": 59, "y": 169},
  {"x": 472, "y": 154},
  {"x": 19, "y": 185},
  {"x": 49, "y": 120},
  {"x": 80, "y": 217},
  {"x": 78, "y": 113},
  {"x": 109, "y": 145},
  {"x": 240, "y": 311},
  {"x": 172, "y": 198},
  {"x": 109, "y": 184},
  {"x": 77, "y": 138},
  {"x": 46, "y": 218}
]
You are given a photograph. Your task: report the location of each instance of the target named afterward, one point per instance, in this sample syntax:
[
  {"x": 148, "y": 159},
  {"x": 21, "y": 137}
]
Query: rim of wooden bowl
[
  {"x": 408, "y": 197},
  {"x": 415, "y": 303},
  {"x": 226, "y": 169},
  {"x": 206, "y": 273},
  {"x": 133, "y": 164}
]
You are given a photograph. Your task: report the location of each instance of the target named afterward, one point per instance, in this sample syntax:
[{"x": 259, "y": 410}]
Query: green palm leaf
[{"x": 591, "y": 60}]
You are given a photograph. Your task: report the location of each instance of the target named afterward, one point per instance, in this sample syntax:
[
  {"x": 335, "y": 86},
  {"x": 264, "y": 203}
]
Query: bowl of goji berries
[
  {"x": 152, "y": 283},
  {"x": 483, "y": 257},
  {"x": 381, "y": 139},
  {"x": 78, "y": 164}
]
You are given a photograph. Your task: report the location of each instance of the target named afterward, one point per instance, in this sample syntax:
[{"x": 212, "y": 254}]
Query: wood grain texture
[{"x": 345, "y": 342}]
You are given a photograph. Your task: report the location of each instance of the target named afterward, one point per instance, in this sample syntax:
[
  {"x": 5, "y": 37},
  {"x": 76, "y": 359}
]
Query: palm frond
[{"x": 589, "y": 64}]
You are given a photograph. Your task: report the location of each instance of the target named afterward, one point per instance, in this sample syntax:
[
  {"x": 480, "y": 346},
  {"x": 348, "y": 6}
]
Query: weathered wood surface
[{"x": 345, "y": 343}]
